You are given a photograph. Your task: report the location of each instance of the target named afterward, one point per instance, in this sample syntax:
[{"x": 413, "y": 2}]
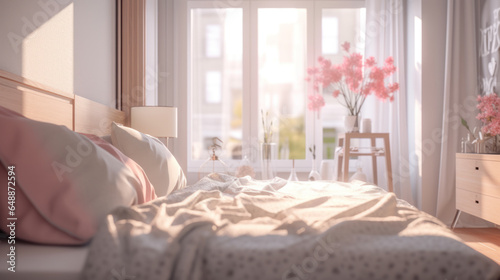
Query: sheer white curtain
[
  {"x": 385, "y": 37},
  {"x": 460, "y": 91}
]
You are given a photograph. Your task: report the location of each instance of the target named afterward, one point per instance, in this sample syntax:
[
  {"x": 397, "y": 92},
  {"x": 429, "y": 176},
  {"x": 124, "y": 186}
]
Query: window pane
[
  {"x": 215, "y": 80},
  {"x": 282, "y": 49},
  {"x": 330, "y": 34},
  {"x": 338, "y": 26},
  {"x": 213, "y": 40},
  {"x": 213, "y": 87}
]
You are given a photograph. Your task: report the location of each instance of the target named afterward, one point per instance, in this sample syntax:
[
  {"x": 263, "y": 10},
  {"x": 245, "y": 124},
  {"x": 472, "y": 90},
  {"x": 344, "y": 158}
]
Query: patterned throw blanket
[{"x": 237, "y": 228}]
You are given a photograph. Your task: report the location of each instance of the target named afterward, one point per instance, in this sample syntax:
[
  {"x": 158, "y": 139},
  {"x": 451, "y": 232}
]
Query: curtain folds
[
  {"x": 385, "y": 37},
  {"x": 460, "y": 91}
]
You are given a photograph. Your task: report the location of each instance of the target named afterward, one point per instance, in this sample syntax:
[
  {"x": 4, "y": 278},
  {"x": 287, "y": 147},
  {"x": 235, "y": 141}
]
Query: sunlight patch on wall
[{"x": 48, "y": 52}]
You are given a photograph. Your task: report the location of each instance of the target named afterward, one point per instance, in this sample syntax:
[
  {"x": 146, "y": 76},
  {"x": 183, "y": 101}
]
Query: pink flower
[
  {"x": 316, "y": 102},
  {"x": 370, "y": 62},
  {"x": 489, "y": 113},
  {"x": 312, "y": 71},
  {"x": 336, "y": 93},
  {"x": 389, "y": 60},
  {"x": 389, "y": 69},
  {"x": 346, "y": 46}
]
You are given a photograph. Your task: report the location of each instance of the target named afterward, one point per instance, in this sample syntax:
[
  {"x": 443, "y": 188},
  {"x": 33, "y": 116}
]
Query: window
[{"x": 252, "y": 58}]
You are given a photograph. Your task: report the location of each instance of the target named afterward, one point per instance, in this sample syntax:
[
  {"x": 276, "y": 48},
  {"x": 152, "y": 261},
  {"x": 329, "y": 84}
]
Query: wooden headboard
[{"x": 39, "y": 102}]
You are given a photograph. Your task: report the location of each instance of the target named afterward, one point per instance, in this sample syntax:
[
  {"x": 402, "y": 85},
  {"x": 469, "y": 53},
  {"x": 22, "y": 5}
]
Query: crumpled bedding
[{"x": 238, "y": 228}]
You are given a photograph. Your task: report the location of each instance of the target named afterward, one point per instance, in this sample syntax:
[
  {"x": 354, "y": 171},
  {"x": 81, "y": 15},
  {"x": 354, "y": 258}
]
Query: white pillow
[{"x": 152, "y": 155}]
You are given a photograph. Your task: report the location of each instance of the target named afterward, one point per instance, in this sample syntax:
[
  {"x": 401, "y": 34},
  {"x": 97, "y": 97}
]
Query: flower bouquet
[{"x": 351, "y": 81}]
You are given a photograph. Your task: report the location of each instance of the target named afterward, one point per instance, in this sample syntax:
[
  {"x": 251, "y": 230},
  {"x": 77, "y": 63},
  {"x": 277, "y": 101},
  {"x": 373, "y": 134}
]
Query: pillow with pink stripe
[
  {"x": 65, "y": 185},
  {"x": 152, "y": 155},
  {"x": 146, "y": 191}
]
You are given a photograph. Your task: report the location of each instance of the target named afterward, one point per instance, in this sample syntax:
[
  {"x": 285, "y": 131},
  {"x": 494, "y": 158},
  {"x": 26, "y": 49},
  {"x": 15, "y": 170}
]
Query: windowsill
[
  {"x": 192, "y": 177},
  {"x": 302, "y": 168}
]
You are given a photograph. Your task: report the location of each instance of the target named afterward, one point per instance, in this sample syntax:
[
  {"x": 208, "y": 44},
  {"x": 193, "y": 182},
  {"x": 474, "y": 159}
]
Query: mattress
[{"x": 43, "y": 262}]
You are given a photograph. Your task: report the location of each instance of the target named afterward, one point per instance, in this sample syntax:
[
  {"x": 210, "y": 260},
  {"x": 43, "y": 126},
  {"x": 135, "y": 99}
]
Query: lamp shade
[{"x": 155, "y": 121}]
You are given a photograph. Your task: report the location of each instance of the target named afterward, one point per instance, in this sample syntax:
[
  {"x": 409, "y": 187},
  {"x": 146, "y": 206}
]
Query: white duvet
[{"x": 229, "y": 228}]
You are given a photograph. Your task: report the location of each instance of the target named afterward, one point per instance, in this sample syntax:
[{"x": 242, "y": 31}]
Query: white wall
[
  {"x": 95, "y": 50},
  {"x": 68, "y": 45}
]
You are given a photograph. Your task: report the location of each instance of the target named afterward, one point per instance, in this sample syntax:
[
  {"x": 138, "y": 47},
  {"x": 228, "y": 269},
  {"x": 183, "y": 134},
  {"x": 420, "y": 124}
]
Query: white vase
[
  {"x": 314, "y": 174},
  {"x": 351, "y": 123},
  {"x": 293, "y": 174},
  {"x": 326, "y": 169},
  {"x": 268, "y": 153}
]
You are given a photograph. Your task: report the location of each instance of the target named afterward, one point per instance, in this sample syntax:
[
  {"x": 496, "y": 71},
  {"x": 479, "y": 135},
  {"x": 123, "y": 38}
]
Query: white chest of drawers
[{"x": 478, "y": 186}]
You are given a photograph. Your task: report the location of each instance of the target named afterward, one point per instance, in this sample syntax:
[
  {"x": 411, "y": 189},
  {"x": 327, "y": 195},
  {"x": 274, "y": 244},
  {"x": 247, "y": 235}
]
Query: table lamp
[{"x": 155, "y": 121}]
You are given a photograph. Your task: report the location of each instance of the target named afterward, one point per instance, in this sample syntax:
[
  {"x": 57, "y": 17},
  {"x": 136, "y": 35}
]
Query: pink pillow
[
  {"x": 146, "y": 192},
  {"x": 65, "y": 184}
]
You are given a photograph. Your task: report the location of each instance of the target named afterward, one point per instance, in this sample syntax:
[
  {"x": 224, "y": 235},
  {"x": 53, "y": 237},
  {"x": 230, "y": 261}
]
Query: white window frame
[{"x": 250, "y": 108}]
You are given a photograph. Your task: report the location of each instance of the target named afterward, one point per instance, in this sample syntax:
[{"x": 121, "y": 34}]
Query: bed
[{"x": 224, "y": 227}]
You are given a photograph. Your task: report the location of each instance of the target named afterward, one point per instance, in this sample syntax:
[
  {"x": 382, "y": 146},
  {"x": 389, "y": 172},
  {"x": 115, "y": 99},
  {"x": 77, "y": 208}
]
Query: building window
[
  {"x": 213, "y": 40},
  {"x": 213, "y": 87}
]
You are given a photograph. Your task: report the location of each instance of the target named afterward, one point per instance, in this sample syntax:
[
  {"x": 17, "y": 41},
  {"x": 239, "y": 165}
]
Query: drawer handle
[
  {"x": 477, "y": 201},
  {"x": 477, "y": 168}
]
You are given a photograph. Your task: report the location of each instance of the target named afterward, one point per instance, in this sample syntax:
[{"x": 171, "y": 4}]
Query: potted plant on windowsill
[{"x": 352, "y": 81}]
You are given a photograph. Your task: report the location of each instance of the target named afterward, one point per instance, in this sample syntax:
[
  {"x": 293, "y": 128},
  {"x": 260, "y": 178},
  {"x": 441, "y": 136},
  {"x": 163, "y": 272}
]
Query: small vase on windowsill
[
  {"x": 293, "y": 175},
  {"x": 268, "y": 153},
  {"x": 314, "y": 174},
  {"x": 351, "y": 123}
]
